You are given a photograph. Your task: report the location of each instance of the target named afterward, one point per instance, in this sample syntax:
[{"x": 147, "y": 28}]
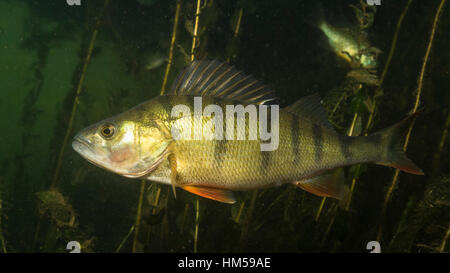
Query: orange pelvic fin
[{"x": 221, "y": 195}]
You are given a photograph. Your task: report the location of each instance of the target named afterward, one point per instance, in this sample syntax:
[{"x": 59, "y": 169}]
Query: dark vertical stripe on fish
[
  {"x": 165, "y": 104},
  {"x": 220, "y": 150},
  {"x": 344, "y": 144},
  {"x": 266, "y": 156},
  {"x": 295, "y": 139},
  {"x": 318, "y": 142},
  {"x": 377, "y": 141}
]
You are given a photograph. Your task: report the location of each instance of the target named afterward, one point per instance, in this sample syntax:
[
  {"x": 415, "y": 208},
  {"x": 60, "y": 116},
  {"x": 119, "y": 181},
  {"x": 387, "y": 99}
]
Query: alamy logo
[
  {"x": 73, "y": 2},
  {"x": 373, "y": 2},
  {"x": 208, "y": 123}
]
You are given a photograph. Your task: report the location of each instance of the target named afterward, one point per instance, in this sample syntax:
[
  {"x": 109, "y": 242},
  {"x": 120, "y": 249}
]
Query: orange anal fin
[
  {"x": 221, "y": 195},
  {"x": 326, "y": 185}
]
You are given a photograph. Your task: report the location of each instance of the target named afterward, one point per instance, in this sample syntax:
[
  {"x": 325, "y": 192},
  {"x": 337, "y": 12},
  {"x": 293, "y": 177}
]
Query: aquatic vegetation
[
  {"x": 53, "y": 205},
  {"x": 421, "y": 220}
]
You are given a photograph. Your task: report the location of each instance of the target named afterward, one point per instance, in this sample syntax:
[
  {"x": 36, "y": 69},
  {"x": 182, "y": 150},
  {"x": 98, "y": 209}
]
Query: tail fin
[{"x": 392, "y": 147}]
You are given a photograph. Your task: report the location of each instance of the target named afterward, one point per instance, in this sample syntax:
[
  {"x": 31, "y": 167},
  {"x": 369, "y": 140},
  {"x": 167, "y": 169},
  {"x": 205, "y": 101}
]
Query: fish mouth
[{"x": 83, "y": 147}]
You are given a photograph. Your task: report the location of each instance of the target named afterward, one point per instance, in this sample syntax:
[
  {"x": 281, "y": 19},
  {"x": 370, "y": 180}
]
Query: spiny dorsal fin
[
  {"x": 310, "y": 108},
  {"x": 218, "y": 79}
]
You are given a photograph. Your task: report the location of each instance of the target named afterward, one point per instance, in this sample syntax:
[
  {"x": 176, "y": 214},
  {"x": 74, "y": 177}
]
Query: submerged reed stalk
[
  {"x": 248, "y": 218},
  {"x": 444, "y": 240},
  {"x": 238, "y": 24},
  {"x": 416, "y": 106},
  {"x": 194, "y": 42},
  {"x": 138, "y": 216},
  {"x": 194, "y": 38},
  {"x": 197, "y": 212},
  {"x": 124, "y": 239},
  {"x": 437, "y": 155},
  {"x": 77, "y": 95},
  {"x": 172, "y": 43},
  {"x": 237, "y": 28}
]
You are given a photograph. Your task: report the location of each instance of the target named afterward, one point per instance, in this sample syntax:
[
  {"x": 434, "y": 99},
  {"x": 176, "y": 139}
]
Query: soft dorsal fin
[
  {"x": 218, "y": 79},
  {"x": 310, "y": 108}
]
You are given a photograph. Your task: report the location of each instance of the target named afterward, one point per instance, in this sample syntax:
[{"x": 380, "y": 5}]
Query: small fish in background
[
  {"x": 348, "y": 43},
  {"x": 146, "y": 61},
  {"x": 138, "y": 143},
  {"x": 153, "y": 60}
]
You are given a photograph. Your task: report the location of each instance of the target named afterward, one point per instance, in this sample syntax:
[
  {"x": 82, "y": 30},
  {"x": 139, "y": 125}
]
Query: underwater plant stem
[
  {"x": 329, "y": 226},
  {"x": 388, "y": 62},
  {"x": 352, "y": 188},
  {"x": 248, "y": 218},
  {"x": 194, "y": 38},
  {"x": 138, "y": 216},
  {"x": 319, "y": 211},
  {"x": 125, "y": 239},
  {"x": 3, "y": 244},
  {"x": 416, "y": 106},
  {"x": 444, "y": 240},
  {"x": 197, "y": 212},
  {"x": 235, "y": 34},
  {"x": 437, "y": 155},
  {"x": 183, "y": 220},
  {"x": 77, "y": 96},
  {"x": 172, "y": 44},
  {"x": 2, "y": 241},
  {"x": 155, "y": 204},
  {"x": 238, "y": 24},
  {"x": 238, "y": 216}
]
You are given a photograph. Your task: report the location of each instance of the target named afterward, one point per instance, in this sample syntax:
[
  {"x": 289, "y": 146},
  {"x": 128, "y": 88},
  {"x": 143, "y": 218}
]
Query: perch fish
[{"x": 139, "y": 143}]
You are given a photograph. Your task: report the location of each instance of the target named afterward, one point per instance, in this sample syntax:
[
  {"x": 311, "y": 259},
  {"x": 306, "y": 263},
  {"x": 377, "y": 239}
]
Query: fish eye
[{"x": 107, "y": 131}]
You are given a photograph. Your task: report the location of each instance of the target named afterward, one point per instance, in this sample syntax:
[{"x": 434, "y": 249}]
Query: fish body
[
  {"x": 341, "y": 41},
  {"x": 154, "y": 61},
  {"x": 140, "y": 142},
  {"x": 349, "y": 43}
]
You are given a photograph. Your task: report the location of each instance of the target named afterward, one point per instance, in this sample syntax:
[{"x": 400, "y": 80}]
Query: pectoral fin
[
  {"x": 221, "y": 195},
  {"x": 173, "y": 173}
]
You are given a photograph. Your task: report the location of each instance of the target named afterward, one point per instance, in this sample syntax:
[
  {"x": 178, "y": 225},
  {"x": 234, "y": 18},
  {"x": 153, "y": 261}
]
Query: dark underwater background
[{"x": 50, "y": 196}]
